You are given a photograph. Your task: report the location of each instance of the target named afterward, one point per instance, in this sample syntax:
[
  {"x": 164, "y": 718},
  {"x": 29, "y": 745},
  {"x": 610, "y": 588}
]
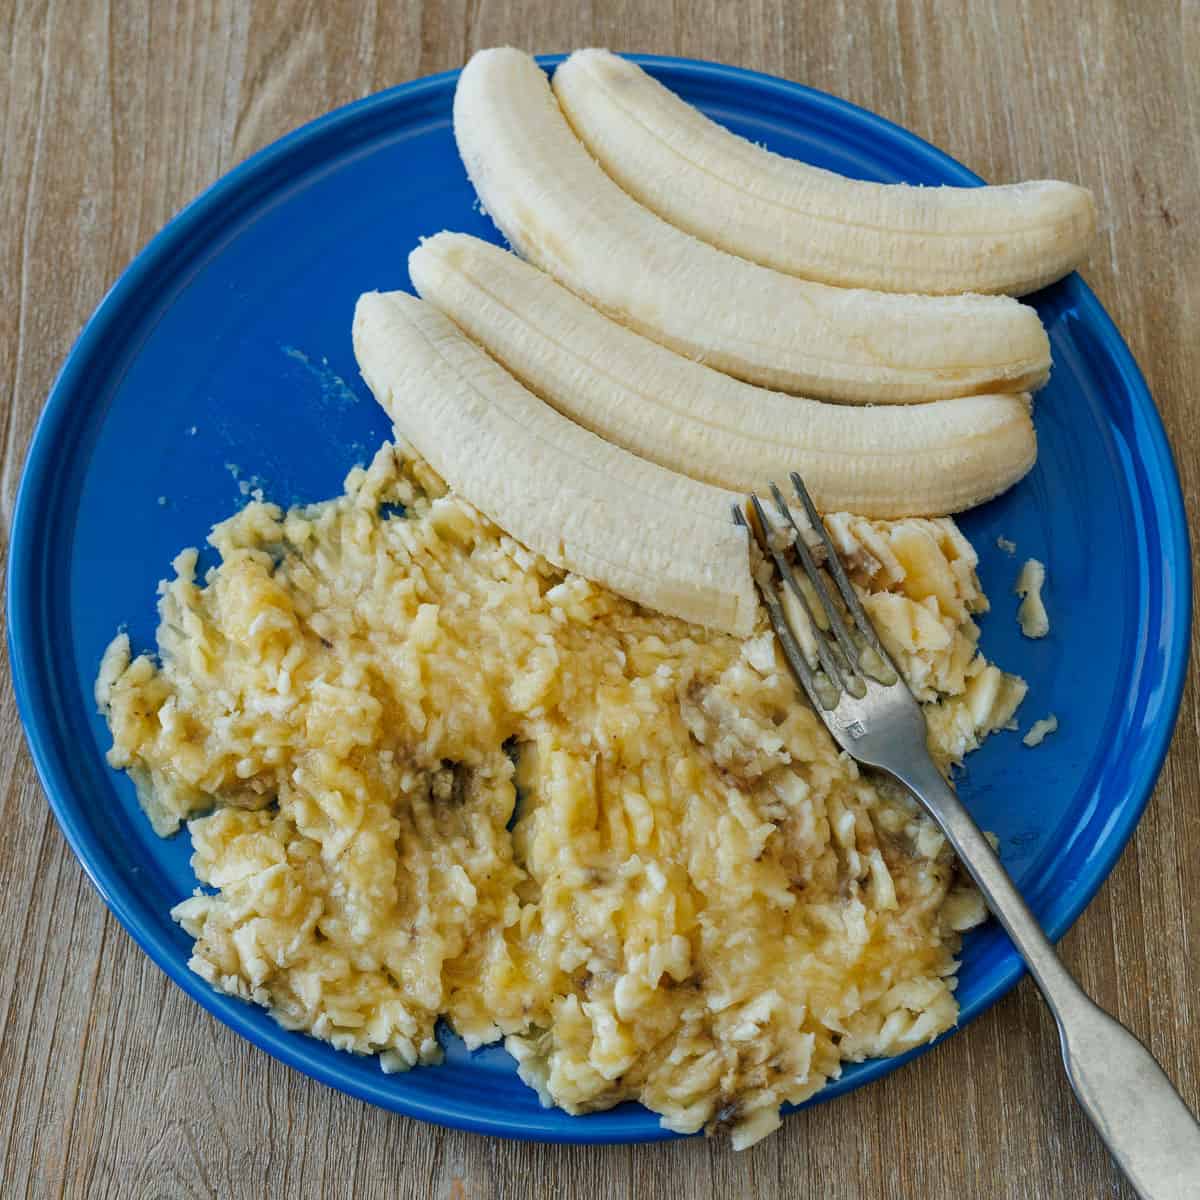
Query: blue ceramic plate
[{"x": 223, "y": 354}]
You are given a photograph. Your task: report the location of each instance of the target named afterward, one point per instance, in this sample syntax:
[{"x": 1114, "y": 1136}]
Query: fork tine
[
  {"x": 796, "y": 658},
  {"x": 836, "y": 624},
  {"x": 834, "y": 671},
  {"x": 861, "y": 621}
]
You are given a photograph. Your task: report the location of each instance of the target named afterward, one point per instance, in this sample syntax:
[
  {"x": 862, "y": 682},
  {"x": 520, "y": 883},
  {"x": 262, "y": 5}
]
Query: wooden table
[{"x": 112, "y": 1083}]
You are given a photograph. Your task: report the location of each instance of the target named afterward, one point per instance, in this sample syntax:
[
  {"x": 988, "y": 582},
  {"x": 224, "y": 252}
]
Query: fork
[{"x": 864, "y": 701}]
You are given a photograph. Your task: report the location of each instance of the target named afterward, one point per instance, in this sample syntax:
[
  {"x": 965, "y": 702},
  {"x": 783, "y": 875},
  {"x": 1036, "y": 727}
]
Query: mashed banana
[{"x": 700, "y": 903}]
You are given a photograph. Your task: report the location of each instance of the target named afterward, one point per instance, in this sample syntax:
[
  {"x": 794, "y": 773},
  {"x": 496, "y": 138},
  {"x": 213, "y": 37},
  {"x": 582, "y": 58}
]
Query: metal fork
[{"x": 874, "y": 717}]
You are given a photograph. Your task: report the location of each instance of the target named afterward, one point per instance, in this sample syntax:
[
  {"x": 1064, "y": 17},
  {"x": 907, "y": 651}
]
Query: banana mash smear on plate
[{"x": 700, "y": 903}]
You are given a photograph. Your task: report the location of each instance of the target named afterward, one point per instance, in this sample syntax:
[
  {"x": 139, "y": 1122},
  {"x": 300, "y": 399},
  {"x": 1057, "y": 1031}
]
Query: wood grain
[{"x": 114, "y": 115}]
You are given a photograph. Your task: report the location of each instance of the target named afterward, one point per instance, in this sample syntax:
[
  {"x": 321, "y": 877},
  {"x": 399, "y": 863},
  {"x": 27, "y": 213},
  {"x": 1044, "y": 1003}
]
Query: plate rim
[{"x": 238, "y": 187}]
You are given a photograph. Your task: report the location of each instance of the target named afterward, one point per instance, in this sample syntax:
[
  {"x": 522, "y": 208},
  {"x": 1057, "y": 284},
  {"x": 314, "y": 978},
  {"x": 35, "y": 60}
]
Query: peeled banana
[
  {"x": 800, "y": 219},
  {"x": 921, "y": 460},
  {"x": 649, "y": 534},
  {"x": 563, "y": 213}
]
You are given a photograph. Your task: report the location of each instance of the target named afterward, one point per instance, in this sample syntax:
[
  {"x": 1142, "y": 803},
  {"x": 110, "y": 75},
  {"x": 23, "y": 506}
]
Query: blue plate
[{"x": 222, "y": 356}]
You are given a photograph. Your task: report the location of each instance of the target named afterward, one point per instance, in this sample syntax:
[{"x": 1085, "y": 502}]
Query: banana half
[
  {"x": 921, "y": 460},
  {"x": 558, "y": 208},
  {"x": 797, "y": 218},
  {"x": 661, "y": 539}
]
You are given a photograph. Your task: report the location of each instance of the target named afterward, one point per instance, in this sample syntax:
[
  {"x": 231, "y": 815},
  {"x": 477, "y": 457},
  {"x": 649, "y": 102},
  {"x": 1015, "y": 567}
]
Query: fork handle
[{"x": 1143, "y": 1120}]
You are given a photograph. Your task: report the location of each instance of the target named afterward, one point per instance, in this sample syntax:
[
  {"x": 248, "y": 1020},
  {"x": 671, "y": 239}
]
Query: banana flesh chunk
[
  {"x": 661, "y": 539},
  {"x": 560, "y": 210},
  {"x": 921, "y": 460},
  {"x": 806, "y": 221}
]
